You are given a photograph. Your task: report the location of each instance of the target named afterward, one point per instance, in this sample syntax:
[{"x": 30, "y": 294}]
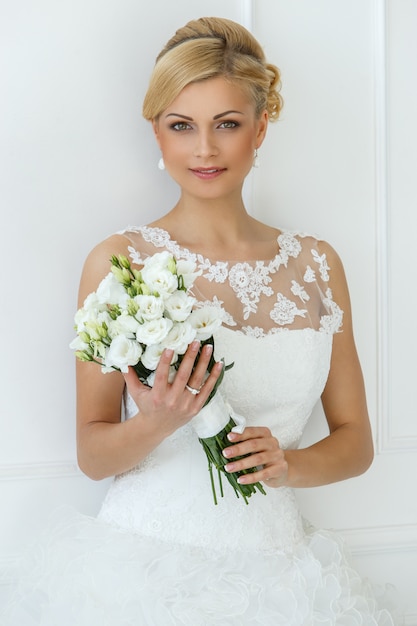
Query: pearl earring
[
  {"x": 161, "y": 164},
  {"x": 255, "y": 159}
]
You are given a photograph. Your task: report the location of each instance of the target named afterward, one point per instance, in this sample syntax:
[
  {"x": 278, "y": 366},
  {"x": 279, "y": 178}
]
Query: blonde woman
[{"x": 161, "y": 552}]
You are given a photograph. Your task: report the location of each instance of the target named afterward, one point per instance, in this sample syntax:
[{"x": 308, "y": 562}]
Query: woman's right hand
[{"x": 171, "y": 405}]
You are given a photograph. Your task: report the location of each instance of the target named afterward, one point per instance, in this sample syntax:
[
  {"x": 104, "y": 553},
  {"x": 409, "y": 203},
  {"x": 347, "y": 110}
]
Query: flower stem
[
  {"x": 213, "y": 488},
  {"x": 213, "y": 447}
]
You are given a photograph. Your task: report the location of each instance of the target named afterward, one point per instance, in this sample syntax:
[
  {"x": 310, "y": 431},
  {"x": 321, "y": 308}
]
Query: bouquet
[{"x": 134, "y": 316}]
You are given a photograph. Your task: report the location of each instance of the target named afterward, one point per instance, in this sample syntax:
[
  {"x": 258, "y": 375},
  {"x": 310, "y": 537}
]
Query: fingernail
[
  {"x": 231, "y": 436},
  {"x": 229, "y": 467},
  {"x": 227, "y": 452}
]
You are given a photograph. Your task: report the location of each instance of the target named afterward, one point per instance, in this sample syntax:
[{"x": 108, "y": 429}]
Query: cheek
[
  {"x": 170, "y": 147},
  {"x": 244, "y": 151}
]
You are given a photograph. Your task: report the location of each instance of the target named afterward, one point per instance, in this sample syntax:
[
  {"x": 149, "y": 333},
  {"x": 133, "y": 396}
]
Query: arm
[
  {"x": 348, "y": 449},
  {"x": 105, "y": 445}
]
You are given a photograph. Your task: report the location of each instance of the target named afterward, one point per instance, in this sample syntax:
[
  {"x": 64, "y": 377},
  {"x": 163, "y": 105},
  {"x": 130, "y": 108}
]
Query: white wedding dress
[{"x": 161, "y": 553}]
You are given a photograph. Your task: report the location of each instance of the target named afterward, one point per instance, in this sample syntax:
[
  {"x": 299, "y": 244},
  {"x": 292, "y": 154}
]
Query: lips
[{"x": 207, "y": 172}]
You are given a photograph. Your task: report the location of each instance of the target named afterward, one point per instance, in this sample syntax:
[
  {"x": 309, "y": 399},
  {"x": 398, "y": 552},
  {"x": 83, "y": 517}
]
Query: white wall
[
  {"x": 343, "y": 158},
  {"x": 77, "y": 162}
]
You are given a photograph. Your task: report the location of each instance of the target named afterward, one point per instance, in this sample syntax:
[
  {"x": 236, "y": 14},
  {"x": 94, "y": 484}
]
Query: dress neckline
[{"x": 161, "y": 237}]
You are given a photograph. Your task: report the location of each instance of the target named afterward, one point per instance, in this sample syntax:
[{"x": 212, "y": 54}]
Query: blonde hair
[{"x": 206, "y": 48}]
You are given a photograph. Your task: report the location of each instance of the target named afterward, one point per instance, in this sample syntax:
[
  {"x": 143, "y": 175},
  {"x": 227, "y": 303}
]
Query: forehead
[{"x": 211, "y": 96}]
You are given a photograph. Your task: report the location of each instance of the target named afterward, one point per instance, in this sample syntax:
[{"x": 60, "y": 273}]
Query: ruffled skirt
[{"x": 86, "y": 572}]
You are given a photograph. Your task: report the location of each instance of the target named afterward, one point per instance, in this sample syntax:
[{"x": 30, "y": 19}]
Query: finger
[
  {"x": 199, "y": 373},
  {"x": 253, "y": 439},
  {"x": 267, "y": 468},
  {"x": 162, "y": 371},
  {"x": 248, "y": 462},
  {"x": 186, "y": 367},
  {"x": 208, "y": 386},
  {"x": 132, "y": 381},
  {"x": 250, "y": 432}
]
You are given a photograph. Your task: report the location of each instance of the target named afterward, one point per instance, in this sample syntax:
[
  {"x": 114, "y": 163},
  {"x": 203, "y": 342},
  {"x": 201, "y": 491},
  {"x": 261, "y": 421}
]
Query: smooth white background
[{"x": 77, "y": 162}]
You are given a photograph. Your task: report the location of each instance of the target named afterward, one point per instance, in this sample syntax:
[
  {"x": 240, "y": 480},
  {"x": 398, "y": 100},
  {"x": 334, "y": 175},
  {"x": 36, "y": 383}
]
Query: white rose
[
  {"x": 188, "y": 270},
  {"x": 78, "y": 344},
  {"x": 205, "y": 321},
  {"x": 122, "y": 353},
  {"x": 162, "y": 282},
  {"x": 124, "y": 324},
  {"x": 92, "y": 303},
  {"x": 160, "y": 261},
  {"x": 150, "y": 308},
  {"x": 179, "y": 337},
  {"x": 154, "y": 331},
  {"x": 110, "y": 291},
  {"x": 89, "y": 312},
  {"x": 179, "y": 306},
  {"x": 157, "y": 273},
  {"x": 151, "y": 355}
]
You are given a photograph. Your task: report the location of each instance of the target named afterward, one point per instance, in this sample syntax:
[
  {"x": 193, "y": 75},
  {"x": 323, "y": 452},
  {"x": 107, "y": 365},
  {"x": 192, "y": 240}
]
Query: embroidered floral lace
[
  {"x": 279, "y": 318},
  {"x": 161, "y": 552}
]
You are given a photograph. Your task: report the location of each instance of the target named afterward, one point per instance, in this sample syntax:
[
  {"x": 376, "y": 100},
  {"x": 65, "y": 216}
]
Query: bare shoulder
[
  {"x": 324, "y": 247},
  {"x": 97, "y": 264},
  {"x": 337, "y": 274}
]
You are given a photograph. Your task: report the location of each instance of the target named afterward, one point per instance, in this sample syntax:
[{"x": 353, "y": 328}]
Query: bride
[{"x": 161, "y": 552}]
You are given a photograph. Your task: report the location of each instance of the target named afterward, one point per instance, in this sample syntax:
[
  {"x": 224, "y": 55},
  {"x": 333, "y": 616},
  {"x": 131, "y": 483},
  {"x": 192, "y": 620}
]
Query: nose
[{"x": 205, "y": 145}]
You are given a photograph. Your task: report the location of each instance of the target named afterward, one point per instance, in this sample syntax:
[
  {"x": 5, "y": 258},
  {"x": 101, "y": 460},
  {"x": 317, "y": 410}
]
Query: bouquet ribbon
[
  {"x": 214, "y": 416},
  {"x": 212, "y": 425}
]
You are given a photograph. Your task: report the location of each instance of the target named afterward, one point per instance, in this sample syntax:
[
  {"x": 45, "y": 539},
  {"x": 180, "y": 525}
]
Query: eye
[
  {"x": 229, "y": 124},
  {"x": 179, "y": 126}
]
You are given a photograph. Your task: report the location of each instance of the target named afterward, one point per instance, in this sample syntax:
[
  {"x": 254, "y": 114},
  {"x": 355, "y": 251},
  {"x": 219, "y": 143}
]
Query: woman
[{"x": 161, "y": 552}]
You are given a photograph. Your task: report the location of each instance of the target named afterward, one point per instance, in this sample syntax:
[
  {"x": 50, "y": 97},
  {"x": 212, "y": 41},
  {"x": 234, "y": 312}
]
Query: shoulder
[
  {"x": 322, "y": 262},
  {"x": 311, "y": 244},
  {"x": 100, "y": 255},
  {"x": 98, "y": 262}
]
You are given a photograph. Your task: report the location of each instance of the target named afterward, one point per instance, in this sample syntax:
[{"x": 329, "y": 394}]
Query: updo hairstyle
[{"x": 206, "y": 48}]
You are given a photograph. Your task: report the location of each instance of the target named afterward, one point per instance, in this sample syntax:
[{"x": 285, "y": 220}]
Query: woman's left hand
[{"x": 264, "y": 452}]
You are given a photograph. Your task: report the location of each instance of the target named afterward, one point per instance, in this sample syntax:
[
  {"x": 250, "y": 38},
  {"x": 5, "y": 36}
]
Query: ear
[
  {"x": 155, "y": 128},
  {"x": 262, "y": 128}
]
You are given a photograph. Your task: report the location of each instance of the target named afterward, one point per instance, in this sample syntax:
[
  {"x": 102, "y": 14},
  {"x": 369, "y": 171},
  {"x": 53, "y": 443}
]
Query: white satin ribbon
[{"x": 214, "y": 416}]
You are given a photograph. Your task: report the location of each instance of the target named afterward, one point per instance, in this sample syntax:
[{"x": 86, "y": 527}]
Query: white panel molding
[
  {"x": 247, "y": 20},
  {"x": 383, "y": 540},
  {"x": 386, "y": 441},
  {"x": 247, "y": 14},
  {"x": 26, "y": 471}
]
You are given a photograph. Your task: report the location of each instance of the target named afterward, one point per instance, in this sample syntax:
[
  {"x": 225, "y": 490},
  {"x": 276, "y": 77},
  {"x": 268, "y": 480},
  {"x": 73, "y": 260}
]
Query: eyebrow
[{"x": 216, "y": 117}]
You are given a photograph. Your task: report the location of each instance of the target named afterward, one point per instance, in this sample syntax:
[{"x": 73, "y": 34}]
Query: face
[{"x": 208, "y": 136}]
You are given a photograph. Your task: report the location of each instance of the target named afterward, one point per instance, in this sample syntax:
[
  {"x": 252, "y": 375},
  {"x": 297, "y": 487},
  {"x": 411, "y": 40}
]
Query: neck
[{"x": 208, "y": 221}]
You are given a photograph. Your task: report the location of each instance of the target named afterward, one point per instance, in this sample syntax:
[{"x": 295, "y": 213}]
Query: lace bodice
[
  {"x": 258, "y": 297},
  {"x": 279, "y": 322}
]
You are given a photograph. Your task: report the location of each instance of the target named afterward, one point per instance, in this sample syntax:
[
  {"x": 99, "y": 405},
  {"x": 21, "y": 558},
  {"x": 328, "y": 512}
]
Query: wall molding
[
  {"x": 247, "y": 10},
  {"x": 386, "y": 441},
  {"x": 29, "y": 471},
  {"x": 383, "y": 540}
]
